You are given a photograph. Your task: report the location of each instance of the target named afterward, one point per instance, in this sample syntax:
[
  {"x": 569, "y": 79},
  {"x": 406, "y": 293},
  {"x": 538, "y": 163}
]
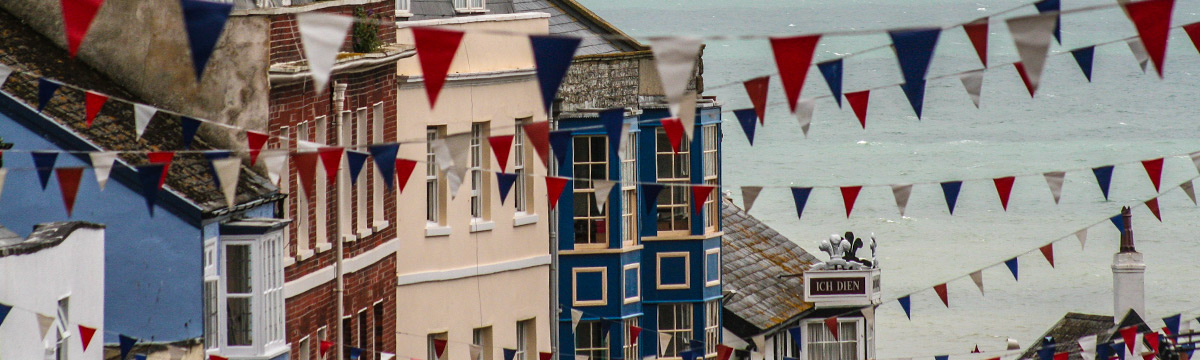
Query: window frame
[
  {"x": 712, "y": 327},
  {"x": 675, "y": 197},
  {"x": 594, "y": 329},
  {"x": 711, "y": 159},
  {"x": 681, "y": 335},
  {"x": 404, "y": 8},
  {"x": 630, "y": 348},
  {"x": 479, "y": 161},
  {"x": 435, "y": 196},
  {"x": 470, "y": 6},
  {"x": 687, "y": 270},
  {"x": 712, "y": 282},
  {"x": 603, "y": 286},
  {"x": 629, "y": 207},
  {"x": 857, "y": 339},
  {"x": 520, "y": 193},
  {"x": 583, "y": 185},
  {"x": 625, "y": 280},
  {"x": 483, "y": 337}
]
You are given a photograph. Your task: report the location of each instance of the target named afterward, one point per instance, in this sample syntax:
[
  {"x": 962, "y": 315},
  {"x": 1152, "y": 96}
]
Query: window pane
[
  {"x": 237, "y": 266},
  {"x": 239, "y": 329}
]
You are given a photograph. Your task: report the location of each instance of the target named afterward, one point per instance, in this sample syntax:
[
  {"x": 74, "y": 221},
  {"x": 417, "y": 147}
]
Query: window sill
[
  {"x": 323, "y": 247},
  {"x": 403, "y": 14},
  {"x": 365, "y": 232},
  {"x": 663, "y": 237},
  {"x": 582, "y": 251},
  {"x": 304, "y": 255},
  {"x": 349, "y": 237},
  {"x": 380, "y": 225},
  {"x": 471, "y": 11},
  {"x": 478, "y": 225},
  {"x": 522, "y": 219},
  {"x": 289, "y": 261},
  {"x": 432, "y": 230}
]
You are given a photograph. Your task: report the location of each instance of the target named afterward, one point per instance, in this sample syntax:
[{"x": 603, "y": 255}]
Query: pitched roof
[
  {"x": 44, "y": 236},
  {"x": 568, "y": 17},
  {"x": 1067, "y": 331},
  {"x": 27, "y": 51},
  {"x": 753, "y": 258}
]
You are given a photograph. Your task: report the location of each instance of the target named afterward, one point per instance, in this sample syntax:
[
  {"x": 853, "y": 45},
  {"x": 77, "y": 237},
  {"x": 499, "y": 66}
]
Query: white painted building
[{"x": 58, "y": 272}]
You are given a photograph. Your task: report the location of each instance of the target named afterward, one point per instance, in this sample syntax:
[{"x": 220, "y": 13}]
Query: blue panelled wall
[{"x": 663, "y": 273}]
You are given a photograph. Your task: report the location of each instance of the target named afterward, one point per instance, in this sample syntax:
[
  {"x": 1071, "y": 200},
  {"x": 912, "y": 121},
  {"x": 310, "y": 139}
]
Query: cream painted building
[{"x": 470, "y": 269}]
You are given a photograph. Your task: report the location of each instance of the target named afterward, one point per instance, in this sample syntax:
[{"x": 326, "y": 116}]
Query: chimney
[{"x": 1129, "y": 290}]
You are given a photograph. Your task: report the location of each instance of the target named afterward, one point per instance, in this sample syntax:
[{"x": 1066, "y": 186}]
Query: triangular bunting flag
[
  {"x": 404, "y": 170},
  {"x": 576, "y": 316},
  {"x": 538, "y": 134},
  {"x": 973, "y": 82},
  {"x": 1062, "y": 355},
  {"x": 85, "y": 336},
  {"x": 126, "y": 344},
  {"x": 1152, "y": 204},
  {"x": 793, "y": 56},
  {"x": 858, "y": 102},
  {"x": 439, "y": 348},
  {"x": 356, "y": 353},
  {"x": 93, "y": 102},
  {"x": 228, "y": 170},
  {"x": 560, "y": 142},
  {"x": 1004, "y": 188},
  {"x": 1081, "y": 235},
  {"x": 849, "y": 194},
  {"x": 1032, "y": 37},
  {"x": 1118, "y": 222},
  {"x": 756, "y": 89},
  {"x": 687, "y": 113},
  {"x": 3, "y": 174},
  {"x": 700, "y": 193},
  {"x": 150, "y": 176},
  {"x": 325, "y": 345},
  {"x": 68, "y": 184},
  {"x": 142, "y": 114},
  {"x": 977, "y": 277},
  {"x": 723, "y": 352},
  {"x": 977, "y": 31},
  {"x": 832, "y": 325},
  {"x": 545, "y": 356},
  {"x": 634, "y": 333},
  {"x": 552, "y": 56},
  {"x": 749, "y": 194},
  {"x": 1154, "y": 171},
  {"x": 164, "y": 158},
  {"x": 941, "y": 357},
  {"x": 554, "y": 188},
  {"x": 1055, "y": 180},
  {"x": 664, "y": 342},
  {"x": 1103, "y": 178},
  {"x": 509, "y": 354},
  {"x": 306, "y": 169},
  {"x": 77, "y": 18},
  {"x": 354, "y": 162},
  {"x": 1139, "y": 53},
  {"x": 1083, "y": 57},
  {"x": 915, "y": 92},
  {"x": 950, "y": 190},
  {"x": 5, "y": 71},
  {"x": 914, "y": 50},
  {"x": 674, "y": 129},
  {"x": 217, "y": 357},
  {"x": 901, "y": 193},
  {"x": 1048, "y": 253},
  {"x": 255, "y": 141},
  {"x": 216, "y": 155},
  {"x": 675, "y": 58},
  {"x": 189, "y": 128},
  {"x": 501, "y": 145},
  {"x": 4, "y": 310},
  {"x": 686, "y": 355},
  {"x": 1172, "y": 324},
  {"x": 476, "y": 351},
  {"x": 274, "y": 160},
  {"x": 44, "y": 162},
  {"x": 46, "y": 90},
  {"x": 1029, "y": 86},
  {"x": 1195, "y": 159},
  {"x": 602, "y": 189},
  {"x": 1046, "y": 6},
  {"x": 385, "y": 161},
  {"x": 1129, "y": 334},
  {"x": 746, "y": 118},
  {"x": 797, "y": 336},
  {"x": 906, "y": 303},
  {"x": 1087, "y": 347},
  {"x": 941, "y": 292},
  {"x": 804, "y": 114},
  {"x": 505, "y": 182},
  {"x": 613, "y": 120},
  {"x": 1012, "y": 267},
  {"x": 1152, "y": 18},
  {"x": 322, "y": 35},
  {"x": 204, "y": 22},
  {"x": 800, "y": 196},
  {"x": 331, "y": 159},
  {"x": 650, "y": 196},
  {"x": 832, "y": 71},
  {"x": 44, "y": 323},
  {"x": 1189, "y": 190}
]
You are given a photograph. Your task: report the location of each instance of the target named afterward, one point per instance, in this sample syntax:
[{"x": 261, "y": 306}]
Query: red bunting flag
[
  {"x": 331, "y": 158},
  {"x": 1129, "y": 334},
  {"x": 793, "y": 56},
  {"x": 1154, "y": 170},
  {"x": 700, "y": 194},
  {"x": 1062, "y": 356},
  {"x": 501, "y": 144},
  {"x": 1193, "y": 32},
  {"x": 404, "y": 169},
  {"x": 439, "y": 348},
  {"x": 538, "y": 134},
  {"x": 306, "y": 168},
  {"x": 554, "y": 189},
  {"x": 941, "y": 292},
  {"x": 756, "y": 88},
  {"x": 849, "y": 194},
  {"x": 325, "y": 345},
  {"x": 161, "y": 157},
  {"x": 858, "y": 102},
  {"x": 68, "y": 183},
  {"x": 217, "y": 357},
  {"x": 93, "y": 102},
  {"x": 1152, "y": 204},
  {"x": 674, "y": 129},
  {"x": 77, "y": 18},
  {"x": 1152, "y": 340},
  {"x": 977, "y": 31},
  {"x": 545, "y": 356},
  {"x": 85, "y": 335},
  {"x": 1152, "y": 18},
  {"x": 976, "y": 351},
  {"x": 634, "y": 331},
  {"x": 256, "y": 141},
  {"x": 1004, "y": 188},
  {"x": 723, "y": 352},
  {"x": 1025, "y": 78},
  {"x": 435, "y": 52},
  {"x": 1048, "y": 252},
  {"x": 832, "y": 325}
]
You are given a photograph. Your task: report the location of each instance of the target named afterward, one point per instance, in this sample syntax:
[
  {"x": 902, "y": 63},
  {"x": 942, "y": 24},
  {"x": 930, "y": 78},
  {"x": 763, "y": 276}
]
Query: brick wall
[
  {"x": 316, "y": 308},
  {"x": 285, "y": 36}
]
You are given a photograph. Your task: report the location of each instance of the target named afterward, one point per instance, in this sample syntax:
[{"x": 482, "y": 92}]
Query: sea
[{"x": 1122, "y": 116}]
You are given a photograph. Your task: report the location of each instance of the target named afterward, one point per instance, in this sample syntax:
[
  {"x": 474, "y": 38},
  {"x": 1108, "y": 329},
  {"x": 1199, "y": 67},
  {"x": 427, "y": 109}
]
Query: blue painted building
[{"x": 652, "y": 265}]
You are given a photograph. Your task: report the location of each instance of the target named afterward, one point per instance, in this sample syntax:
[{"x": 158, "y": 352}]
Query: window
[
  {"x": 403, "y": 7},
  {"x": 591, "y": 162},
  {"x": 362, "y": 217},
  {"x": 674, "y": 213},
  {"x": 712, "y": 171},
  {"x": 712, "y": 267},
  {"x": 432, "y": 345},
  {"x": 519, "y": 167},
  {"x": 482, "y": 337},
  {"x": 629, "y": 346},
  {"x": 300, "y": 245},
  {"x": 712, "y": 327},
  {"x": 210, "y": 314},
  {"x": 362, "y": 330},
  {"x": 629, "y": 231},
  {"x": 479, "y": 132},
  {"x": 239, "y": 330},
  {"x": 305, "y": 349},
  {"x": 526, "y": 339},
  {"x": 470, "y": 5},
  {"x": 345, "y": 194},
  {"x": 590, "y": 340},
  {"x": 302, "y": 221},
  {"x": 347, "y": 336},
  {"x": 819, "y": 343},
  {"x": 433, "y": 187},
  {"x": 632, "y": 283},
  {"x": 322, "y": 186},
  {"x": 378, "y": 183},
  {"x": 675, "y": 320},
  {"x": 377, "y": 345},
  {"x": 62, "y": 343}
]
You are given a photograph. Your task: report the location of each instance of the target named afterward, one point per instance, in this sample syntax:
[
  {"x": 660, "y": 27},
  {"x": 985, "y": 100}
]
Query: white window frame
[
  {"x": 479, "y": 161},
  {"x": 435, "y": 202},
  {"x": 629, "y": 207},
  {"x": 404, "y": 8},
  {"x": 470, "y": 6},
  {"x": 675, "y": 198},
  {"x": 628, "y": 346},
  {"x": 592, "y": 327},
  {"x": 482, "y": 337},
  {"x": 603, "y": 286},
  {"x": 625, "y": 280},
  {"x": 432, "y": 349},
  {"x": 712, "y": 173},
  {"x": 712, "y": 327},
  {"x": 267, "y": 303},
  {"x": 378, "y": 183},
  {"x": 302, "y": 214},
  {"x": 322, "y": 187},
  {"x": 62, "y": 341},
  {"x": 305, "y": 352},
  {"x": 345, "y": 212},
  {"x": 687, "y": 270},
  {"x": 681, "y": 336},
  {"x": 519, "y": 191},
  {"x": 712, "y": 282},
  {"x": 582, "y": 185},
  {"x": 842, "y": 337},
  {"x": 362, "y": 213}
]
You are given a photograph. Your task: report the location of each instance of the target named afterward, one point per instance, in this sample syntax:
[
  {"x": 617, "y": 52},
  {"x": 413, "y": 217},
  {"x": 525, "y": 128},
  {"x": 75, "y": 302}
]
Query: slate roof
[
  {"x": 567, "y": 17},
  {"x": 753, "y": 256},
  {"x": 1067, "y": 331},
  {"x": 44, "y": 236},
  {"x": 28, "y": 52}
]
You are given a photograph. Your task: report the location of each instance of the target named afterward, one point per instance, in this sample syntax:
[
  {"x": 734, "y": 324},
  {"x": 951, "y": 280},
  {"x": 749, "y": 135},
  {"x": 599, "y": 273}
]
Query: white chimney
[{"x": 1129, "y": 274}]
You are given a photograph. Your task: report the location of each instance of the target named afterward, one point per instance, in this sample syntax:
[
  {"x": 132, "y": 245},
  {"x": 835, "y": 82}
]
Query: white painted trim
[
  {"x": 349, "y": 238},
  {"x": 473, "y": 19},
  {"x": 522, "y": 219},
  {"x": 349, "y": 265},
  {"x": 859, "y": 337},
  {"x": 682, "y": 237},
  {"x": 620, "y": 250},
  {"x": 472, "y": 77},
  {"x": 471, "y": 271},
  {"x": 707, "y": 281},
  {"x": 380, "y": 225},
  {"x": 625, "y": 280},
  {"x": 603, "y": 286},
  {"x": 432, "y": 230},
  {"x": 300, "y": 8},
  {"x": 687, "y": 270},
  {"x": 478, "y": 225}
]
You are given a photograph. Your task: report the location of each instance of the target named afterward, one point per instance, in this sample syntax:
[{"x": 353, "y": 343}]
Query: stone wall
[{"x": 628, "y": 80}]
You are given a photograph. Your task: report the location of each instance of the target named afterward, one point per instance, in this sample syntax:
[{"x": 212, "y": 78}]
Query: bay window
[
  {"x": 590, "y": 162},
  {"x": 676, "y": 321},
  {"x": 674, "y": 212}
]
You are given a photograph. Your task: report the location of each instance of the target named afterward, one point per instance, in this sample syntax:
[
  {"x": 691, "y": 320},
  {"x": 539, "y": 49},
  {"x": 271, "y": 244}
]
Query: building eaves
[
  {"x": 292, "y": 71},
  {"x": 45, "y": 236}
]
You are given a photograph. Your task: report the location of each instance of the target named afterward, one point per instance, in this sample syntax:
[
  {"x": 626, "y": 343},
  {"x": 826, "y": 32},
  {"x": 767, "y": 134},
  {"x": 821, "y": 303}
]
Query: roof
[
  {"x": 1067, "y": 331},
  {"x": 44, "y": 236},
  {"x": 27, "y": 51},
  {"x": 754, "y": 256},
  {"x": 441, "y": 9},
  {"x": 568, "y": 17}
]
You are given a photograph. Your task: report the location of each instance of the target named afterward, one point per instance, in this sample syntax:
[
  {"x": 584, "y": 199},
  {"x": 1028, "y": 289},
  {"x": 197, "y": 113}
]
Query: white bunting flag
[
  {"x": 576, "y": 315},
  {"x": 749, "y": 194},
  {"x": 603, "y": 188},
  {"x": 274, "y": 160},
  {"x": 476, "y": 351},
  {"x": 141, "y": 117},
  {"x": 459, "y": 147},
  {"x": 228, "y": 170},
  {"x": 675, "y": 58},
  {"x": 1196, "y": 159},
  {"x": 1139, "y": 52},
  {"x": 1032, "y": 36},
  {"x": 973, "y": 82},
  {"x": 977, "y": 277},
  {"x": 901, "y": 192},
  {"x": 176, "y": 352},
  {"x": 1189, "y": 190},
  {"x": 869, "y": 314},
  {"x": 102, "y": 164},
  {"x": 624, "y": 143},
  {"x": 44, "y": 322},
  {"x": 804, "y": 112},
  {"x": 664, "y": 341},
  {"x": 386, "y": 356},
  {"x": 3, "y": 174},
  {"x": 1055, "y": 180},
  {"x": 1087, "y": 347},
  {"x": 441, "y": 154},
  {"x": 1082, "y": 236},
  {"x": 5, "y": 71},
  {"x": 1013, "y": 344},
  {"x": 687, "y": 113},
  {"x": 322, "y": 35}
]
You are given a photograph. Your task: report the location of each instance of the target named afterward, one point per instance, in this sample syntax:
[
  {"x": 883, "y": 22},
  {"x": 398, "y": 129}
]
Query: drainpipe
[
  {"x": 339, "y": 95},
  {"x": 555, "y": 309}
]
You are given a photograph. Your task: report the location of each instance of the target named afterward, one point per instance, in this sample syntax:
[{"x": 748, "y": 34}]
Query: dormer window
[{"x": 470, "y": 6}]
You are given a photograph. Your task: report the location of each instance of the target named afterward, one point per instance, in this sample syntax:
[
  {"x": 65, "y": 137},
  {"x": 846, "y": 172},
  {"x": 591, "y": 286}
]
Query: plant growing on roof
[{"x": 366, "y": 30}]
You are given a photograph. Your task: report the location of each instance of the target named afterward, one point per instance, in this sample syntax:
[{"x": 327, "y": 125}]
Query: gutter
[{"x": 361, "y": 64}]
